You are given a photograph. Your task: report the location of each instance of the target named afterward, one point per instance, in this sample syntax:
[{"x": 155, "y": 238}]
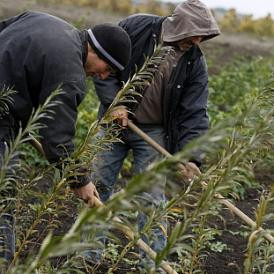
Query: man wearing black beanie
[
  {"x": 40, "y": 53},
  {"x": 113, "y": 53}
]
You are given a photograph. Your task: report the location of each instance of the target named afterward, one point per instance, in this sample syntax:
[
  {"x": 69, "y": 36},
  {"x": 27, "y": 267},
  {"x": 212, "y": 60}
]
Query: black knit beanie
[{"x": 111, "y": 43}]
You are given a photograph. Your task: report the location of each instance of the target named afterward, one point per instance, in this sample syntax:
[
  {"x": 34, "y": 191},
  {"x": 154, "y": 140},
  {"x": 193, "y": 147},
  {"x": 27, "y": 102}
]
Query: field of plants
[{"x": 204, "y": 235}]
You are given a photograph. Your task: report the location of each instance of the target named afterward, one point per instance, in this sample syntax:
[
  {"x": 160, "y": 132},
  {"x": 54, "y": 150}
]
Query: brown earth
[
  {"x": 231, "y": 260},
  {"x": 222, "y": 51}
]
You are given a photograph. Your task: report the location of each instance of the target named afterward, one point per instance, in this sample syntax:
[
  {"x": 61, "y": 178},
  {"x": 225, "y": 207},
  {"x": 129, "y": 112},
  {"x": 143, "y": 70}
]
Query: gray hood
[{"x": 190, "y": 18}]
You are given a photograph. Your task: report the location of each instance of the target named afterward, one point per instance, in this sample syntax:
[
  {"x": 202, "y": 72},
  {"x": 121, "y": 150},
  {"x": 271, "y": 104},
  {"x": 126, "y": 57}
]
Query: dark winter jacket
[
  {"x": 185, "y": 101},
  {"x": 38, "y": 54}
]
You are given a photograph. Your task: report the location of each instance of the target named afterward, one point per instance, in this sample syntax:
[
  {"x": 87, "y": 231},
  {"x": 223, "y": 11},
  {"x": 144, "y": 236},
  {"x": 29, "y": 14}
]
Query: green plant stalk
[
  {"x": 126, "y": 230},
  {"x": 198, "y": 245},
  {"x": 228, "y": 204},
  {"x": 234, "y": 160},
  {"x": 149, "y": 251},
  {"x": 255, "y": 239},
  {"x": 42, "y": 209}
]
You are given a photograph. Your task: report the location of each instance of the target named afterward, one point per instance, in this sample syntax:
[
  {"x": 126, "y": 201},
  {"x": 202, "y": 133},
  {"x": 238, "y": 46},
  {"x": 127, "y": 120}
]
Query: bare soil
[
  {"x": 234, "y": 232},
  {"x": 231, "y": 260}
]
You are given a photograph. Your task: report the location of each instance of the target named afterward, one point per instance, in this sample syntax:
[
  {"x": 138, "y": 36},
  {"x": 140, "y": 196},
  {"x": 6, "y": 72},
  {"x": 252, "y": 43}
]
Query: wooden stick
[
  {"x": 140, "y": 243},
  {"x": 243, "y": 216},
  {"x": 224, "y": 201},
  {"x": 123, "y": 228}
]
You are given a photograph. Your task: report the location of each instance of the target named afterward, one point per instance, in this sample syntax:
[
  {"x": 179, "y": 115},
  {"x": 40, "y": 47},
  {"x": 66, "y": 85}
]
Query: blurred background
[
  {"x": 233, "y": 15},
  {"x": 247, "y": 26}
]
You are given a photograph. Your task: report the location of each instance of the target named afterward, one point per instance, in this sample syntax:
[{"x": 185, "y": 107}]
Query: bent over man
[{"x": 38, "y": 54}]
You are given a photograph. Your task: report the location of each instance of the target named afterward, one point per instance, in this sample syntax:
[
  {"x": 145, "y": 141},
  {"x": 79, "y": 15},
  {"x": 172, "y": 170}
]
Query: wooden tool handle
[{"x": 227, "y": 203}]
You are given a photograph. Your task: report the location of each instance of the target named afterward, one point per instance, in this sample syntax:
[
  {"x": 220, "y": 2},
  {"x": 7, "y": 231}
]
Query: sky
[{"x": 258, "y": 8}]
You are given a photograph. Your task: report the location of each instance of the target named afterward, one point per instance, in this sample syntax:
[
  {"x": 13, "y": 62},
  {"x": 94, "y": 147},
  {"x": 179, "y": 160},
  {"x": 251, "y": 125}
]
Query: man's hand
[
  {"x": 189, "y": 171},
  {"x": 87, "y": 193},
  {"x": 121, "y": 115}
]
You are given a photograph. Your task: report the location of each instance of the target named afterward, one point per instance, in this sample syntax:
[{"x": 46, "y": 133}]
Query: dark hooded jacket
[
  {"x": 38, "y": 54},
  {"x": 185, "y": 100}
]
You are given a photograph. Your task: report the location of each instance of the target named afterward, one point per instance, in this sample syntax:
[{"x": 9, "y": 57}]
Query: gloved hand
[{"x": 189, "y": 171}]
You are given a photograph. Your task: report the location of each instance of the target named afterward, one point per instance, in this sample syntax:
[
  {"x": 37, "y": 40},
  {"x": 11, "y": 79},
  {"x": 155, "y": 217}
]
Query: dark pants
[{"x": 108, "y": 166}]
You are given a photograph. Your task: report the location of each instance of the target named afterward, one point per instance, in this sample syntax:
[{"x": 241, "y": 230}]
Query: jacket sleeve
[
  {"x": 9, "y": 21},
  {"x": 193, "y": 117},
  {"x": 59, "y": 130},
  {"x": 60, "y": 127},
  {"x": 107, "y": 89}
]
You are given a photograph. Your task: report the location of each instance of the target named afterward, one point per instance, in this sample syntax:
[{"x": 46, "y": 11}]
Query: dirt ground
[
  {"x": 223, "y": 49},
  {"x": 231, "y": 260},
  {"x": 228, "y": 261}
]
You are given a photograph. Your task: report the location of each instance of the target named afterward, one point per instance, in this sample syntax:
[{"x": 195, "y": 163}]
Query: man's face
[
  {"x": 95, "y": 66},
  {"x": 188, "y": 42}
]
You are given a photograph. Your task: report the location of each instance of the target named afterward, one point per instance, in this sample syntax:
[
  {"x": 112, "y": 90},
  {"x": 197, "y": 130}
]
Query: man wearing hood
[{"x": 173, "y": 109}]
